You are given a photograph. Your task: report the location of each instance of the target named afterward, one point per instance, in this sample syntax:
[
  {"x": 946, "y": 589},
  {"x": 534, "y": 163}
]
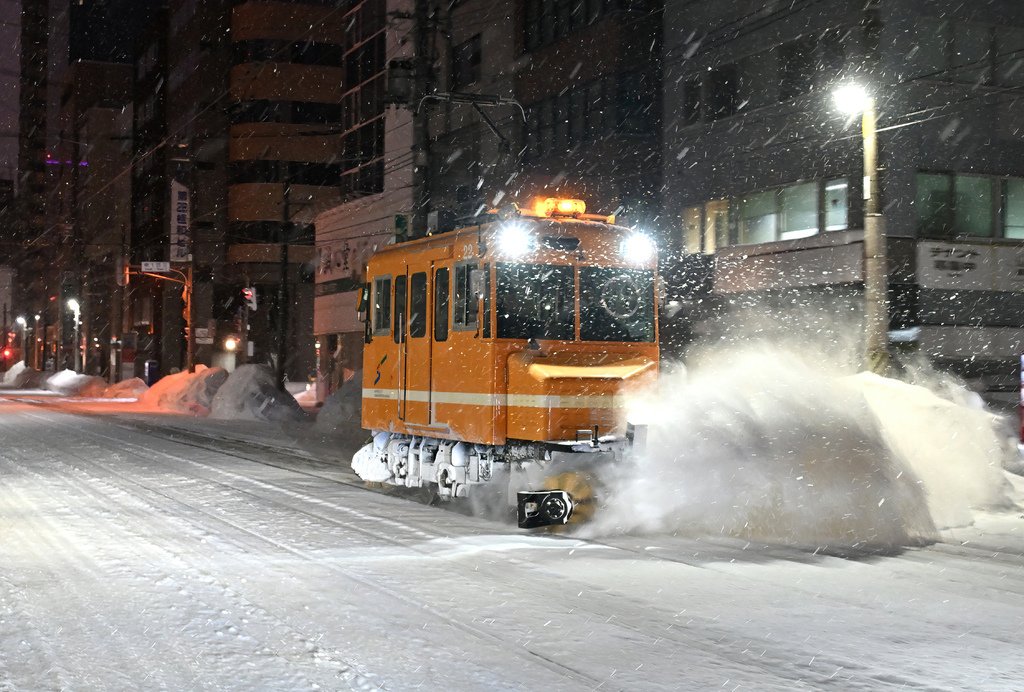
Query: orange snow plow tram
[{"x": 504, "y": 354}]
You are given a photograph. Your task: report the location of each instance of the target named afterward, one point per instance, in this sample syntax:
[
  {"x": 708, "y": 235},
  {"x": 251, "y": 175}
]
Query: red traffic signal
[
  {"x": 249, "y": 296},
  {"x": 7, "y": 353}
]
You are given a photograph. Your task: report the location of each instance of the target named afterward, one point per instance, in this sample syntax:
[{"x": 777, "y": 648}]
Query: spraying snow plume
[{"x": 761, "y": 443}]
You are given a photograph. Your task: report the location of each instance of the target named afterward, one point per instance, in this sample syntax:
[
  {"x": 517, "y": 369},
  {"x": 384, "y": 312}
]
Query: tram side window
[
  {"x": 399, "y": 332},
  {"x": 418, "y": 305},
  {"x": 466, "y": 307},
  {"x": 382, "y": 305},
  {"x": 441, "y": 292}
]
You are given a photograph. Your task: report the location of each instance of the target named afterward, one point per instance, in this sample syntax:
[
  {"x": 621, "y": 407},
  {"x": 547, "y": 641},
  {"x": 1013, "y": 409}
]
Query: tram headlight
[
  {"x": 638, "y": 247},
  {"x": 515, "y": 240}
]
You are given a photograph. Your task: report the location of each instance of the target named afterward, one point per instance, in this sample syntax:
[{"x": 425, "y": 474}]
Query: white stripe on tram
[{"x": 545, "y": 401}]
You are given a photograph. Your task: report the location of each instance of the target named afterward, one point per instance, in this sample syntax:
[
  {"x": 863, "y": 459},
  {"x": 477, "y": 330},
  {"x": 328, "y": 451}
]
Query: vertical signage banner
[{"x": 181, "y": 212}]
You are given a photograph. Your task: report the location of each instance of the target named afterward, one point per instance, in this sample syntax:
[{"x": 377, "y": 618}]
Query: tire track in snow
[
  {"x": 309, "y": 557},
  {"x": 138, "y": 511},
  {"x": 759, "y": 667}
]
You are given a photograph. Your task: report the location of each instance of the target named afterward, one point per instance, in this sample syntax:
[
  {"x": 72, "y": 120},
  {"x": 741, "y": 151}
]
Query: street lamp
[
  {"x": 853, "y": 99},
  {"x": 77, "y": 310},
  {"x": 35, "y": 339},
  {"x": 20, "y": 319}
]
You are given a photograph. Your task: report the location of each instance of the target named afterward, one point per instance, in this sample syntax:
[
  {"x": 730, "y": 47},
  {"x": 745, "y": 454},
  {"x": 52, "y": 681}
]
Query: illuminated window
[
  {"x": 691, "y": 229},
  {"x": 934, "y": 205},
  {"x": 1014, "y": 213},
  {"x": 759, "y": 217},
  {"x": 716, "y": 225},
  {"x": 799, "y": 211},
  {"x": 972, "y": 205},
  {"x": 837, "y": 195},
  {"x": 955, "y": 205}
]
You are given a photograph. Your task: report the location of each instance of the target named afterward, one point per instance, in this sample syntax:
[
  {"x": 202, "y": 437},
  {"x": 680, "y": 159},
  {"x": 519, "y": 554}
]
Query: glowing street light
[
  {"x": 36, "y": 355},
  {"x": 853, "y": 99},
  {"x": 20, "y": 319},
  {"x": 76, "y": 308}
]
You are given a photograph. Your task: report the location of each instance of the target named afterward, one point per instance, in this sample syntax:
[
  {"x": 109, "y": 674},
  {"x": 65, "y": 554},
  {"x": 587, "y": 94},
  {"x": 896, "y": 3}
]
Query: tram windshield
[
  {"x": 537, "y": 301},
  {"x": 616, "y": 304}
]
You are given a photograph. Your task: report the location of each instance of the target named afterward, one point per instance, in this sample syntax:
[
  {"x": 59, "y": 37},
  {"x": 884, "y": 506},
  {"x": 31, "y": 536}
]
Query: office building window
[
  {"x": 784, "y": 213},
  {"x": 723, "y": 92},
  {"x": 716, "y": 225},
  {"x": 799, "y": 207},
  {"x": 962, "y": 205},
  {"x": 934, "y": 205},
  {"x": 691, "y": 100},
  {"x": 1014, "y": 208},
  {"x": 466, "y": 64},
  {"x": 691, "y": 229},
  {"x": 797, "y": 66},
  {"x": 759, "y": 217},
  {"x": 1009, "y": 63},
  {"x": 837, "y": 202},
  {"x": 972, "y": 205}
]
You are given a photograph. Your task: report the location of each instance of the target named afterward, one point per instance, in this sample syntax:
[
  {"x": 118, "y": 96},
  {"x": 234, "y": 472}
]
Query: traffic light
[
  {"x": 249, "y": 296},
  {"x": 122, "y": 271}
]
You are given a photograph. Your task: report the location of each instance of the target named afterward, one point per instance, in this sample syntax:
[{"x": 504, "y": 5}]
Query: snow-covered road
[{"x": 130, "y": 560}]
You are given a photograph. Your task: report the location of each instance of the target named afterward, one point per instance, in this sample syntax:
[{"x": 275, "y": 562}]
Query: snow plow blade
[{"x": 543, "y": 508}]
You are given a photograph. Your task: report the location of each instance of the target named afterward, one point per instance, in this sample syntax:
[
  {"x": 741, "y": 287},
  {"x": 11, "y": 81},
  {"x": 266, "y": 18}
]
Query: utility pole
[
  {"x": 282, "y": 288},
  {"x": 243, "y": 354},
  {"x": 422, "y": 61},
  {"x": 190, "y": 314},
  {"x": 182, "y": 247},
  {"x": 876, "y": 280}
]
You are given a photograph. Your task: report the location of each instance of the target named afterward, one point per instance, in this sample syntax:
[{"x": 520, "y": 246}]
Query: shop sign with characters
[
  {"x": 968, "y": 266},
  {"x": 340, "y": 265}
]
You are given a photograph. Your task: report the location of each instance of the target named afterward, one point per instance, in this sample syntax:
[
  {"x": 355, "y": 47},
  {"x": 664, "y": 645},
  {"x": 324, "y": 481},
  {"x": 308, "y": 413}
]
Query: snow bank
[
  {"x": 342, "y": 410},
  {"x": 766, "y": 445},
  {"x": 185, "y": 392},
  {"x": 71, "y": 383},
  {"x": 126, "y": 389},
  {"x": 21, "y": 376},
  {"x": 250, "y": 393}
]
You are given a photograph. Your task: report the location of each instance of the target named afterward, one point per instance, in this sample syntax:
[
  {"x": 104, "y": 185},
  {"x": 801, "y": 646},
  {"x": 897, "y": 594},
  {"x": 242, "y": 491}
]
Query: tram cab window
[
  {"x": 382, "y": 305},
  {"x": 441, "y": 293},
  {"x": 418, "y": 305},
  {"x": 616, "y": 304},
  {"x": 536, "y": 301},
  {"x": 466, "y": 303},
  {"x": 399, "y": 332}
]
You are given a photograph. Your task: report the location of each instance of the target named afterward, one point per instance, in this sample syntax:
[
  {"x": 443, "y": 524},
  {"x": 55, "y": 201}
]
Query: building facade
[
  {"x": 491, "y": 103},
  {"x": 763, "y": 174},
  {"x": 377, "y": 196}
]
